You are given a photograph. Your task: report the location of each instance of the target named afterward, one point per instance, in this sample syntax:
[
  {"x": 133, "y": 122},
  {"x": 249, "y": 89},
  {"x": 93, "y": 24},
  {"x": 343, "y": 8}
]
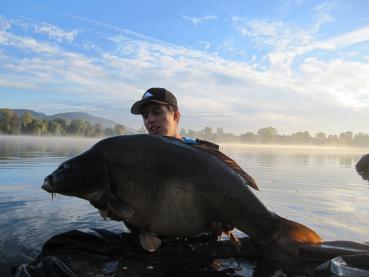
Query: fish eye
[{"x": 67, "y": 166}]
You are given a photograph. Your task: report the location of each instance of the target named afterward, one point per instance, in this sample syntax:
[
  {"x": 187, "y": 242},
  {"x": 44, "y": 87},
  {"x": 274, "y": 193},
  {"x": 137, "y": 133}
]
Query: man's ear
[{"x": 177, "y": 116}]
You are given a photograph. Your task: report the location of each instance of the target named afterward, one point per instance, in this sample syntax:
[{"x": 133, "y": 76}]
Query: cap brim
[{"x": 136, "y": 107}]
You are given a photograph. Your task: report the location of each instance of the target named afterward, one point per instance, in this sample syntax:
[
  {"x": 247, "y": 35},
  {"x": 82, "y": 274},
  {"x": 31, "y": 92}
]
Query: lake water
[{"x": 314, "y": 186}]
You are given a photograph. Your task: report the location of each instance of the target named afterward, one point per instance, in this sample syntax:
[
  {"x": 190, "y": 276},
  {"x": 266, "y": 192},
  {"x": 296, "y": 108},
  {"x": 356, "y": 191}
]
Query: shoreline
[
  {"x": 297, "y": 147},
  {"x": 71, "y": 139}
]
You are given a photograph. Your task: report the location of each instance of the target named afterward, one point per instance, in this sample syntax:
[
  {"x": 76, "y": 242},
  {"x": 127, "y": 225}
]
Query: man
[
  {"x": 159, "y": 111},
  {"x": 160, "y": 114}
]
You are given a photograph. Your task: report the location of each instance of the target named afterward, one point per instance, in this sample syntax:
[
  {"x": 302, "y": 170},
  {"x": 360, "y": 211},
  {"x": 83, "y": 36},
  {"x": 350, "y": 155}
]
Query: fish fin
[
  {"x": 299, "y": 233},
  {"x": 285, "y": 246},
  {"x": 119, "y": 208},
  {"x": 103, "y": 213},
  {"x": 233, "y": 238},
  {"x": 230, "y": 162},
  {"x": 149, "y": 241}
]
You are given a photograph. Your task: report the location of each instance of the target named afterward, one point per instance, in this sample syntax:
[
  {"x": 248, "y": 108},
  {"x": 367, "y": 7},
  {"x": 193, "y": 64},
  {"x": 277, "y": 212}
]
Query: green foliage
[
  {"x": 120, "y": 130},
  {"x": 11, "y": 124},
  {"x": 27, "y": 125},
  {"x": 267, "y": 135},
  {"x": 270, "y": 135}
]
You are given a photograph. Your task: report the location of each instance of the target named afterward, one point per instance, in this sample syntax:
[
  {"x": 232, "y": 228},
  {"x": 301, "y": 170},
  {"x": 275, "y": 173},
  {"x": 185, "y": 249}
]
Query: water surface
[{"x": 315, "y": 186}]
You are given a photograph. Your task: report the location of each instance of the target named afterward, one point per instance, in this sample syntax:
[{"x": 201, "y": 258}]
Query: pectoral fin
[
  {"x": 120, "y": 209},
  {"x": 103, "y": 213},
  {"x": 149, "y": 241},
  {"x": 233, "y": 238}
]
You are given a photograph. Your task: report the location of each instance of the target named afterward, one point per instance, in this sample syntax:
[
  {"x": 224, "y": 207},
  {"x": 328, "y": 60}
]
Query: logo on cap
[{"x": 147, "y": 95}]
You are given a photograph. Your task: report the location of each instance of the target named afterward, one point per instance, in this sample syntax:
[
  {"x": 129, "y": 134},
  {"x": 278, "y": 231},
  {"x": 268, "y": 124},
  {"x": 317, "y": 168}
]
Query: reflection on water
[
  {"x": 28, "y": 217},
  {"x": 318, "y": 187}
]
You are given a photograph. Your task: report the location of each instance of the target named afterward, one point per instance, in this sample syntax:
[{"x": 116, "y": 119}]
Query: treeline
[
  {"x": 11, "y": 124},
  {"x": 270, "y": 135}
]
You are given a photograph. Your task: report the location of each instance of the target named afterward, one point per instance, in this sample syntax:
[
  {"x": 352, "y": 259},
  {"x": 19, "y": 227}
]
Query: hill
[
  {"x": 105, "y": 123},
  {"x": 21, "y": 112}
]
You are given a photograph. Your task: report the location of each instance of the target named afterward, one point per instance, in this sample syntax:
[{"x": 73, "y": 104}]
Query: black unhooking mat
[{"x": 98, "y": 252}]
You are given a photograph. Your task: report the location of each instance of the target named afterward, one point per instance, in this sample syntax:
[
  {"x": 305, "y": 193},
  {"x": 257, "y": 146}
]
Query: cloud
[
  {"x": 4, "y": 24},
  {"x": 55, "y": 32},
  {"x": 344, "y": 40},
  {"x": 322, "y": 15},
  {"x": 199, "y": 20},
  {"x": 26, "y": 43},
  {"x": 212, "y": 91}
]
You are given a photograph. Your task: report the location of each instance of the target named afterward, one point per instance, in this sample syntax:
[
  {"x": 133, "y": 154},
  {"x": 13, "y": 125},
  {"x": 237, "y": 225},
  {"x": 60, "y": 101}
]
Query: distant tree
[
  {"x": 207, "y": 134},
  {"x": 97, "y": 130},
  {"x": 120, "y": 130},
  {"x": 361, "y": 139},
  {"x": 301, "y": 137},
  {"x": 248, "y": 137},
  {"x": 54, "y": 128},
  {"x": 346, "y": 138},
  {"x": 38, "y": 127},
  {"x": 26, "y": 122},
  {"x": 76, "y": 127},
  {"x": 267, "y": 135},
  {"x": 63, "y": 123},
  {"x": 332, "y": 139},
  {"x": 220, "y": 133},
  {"x": 88, "y": 130},
  {"x": 320, "y": 138},
  {"x": 109, "y": 132},
  {"x": 9, "y": 121}
]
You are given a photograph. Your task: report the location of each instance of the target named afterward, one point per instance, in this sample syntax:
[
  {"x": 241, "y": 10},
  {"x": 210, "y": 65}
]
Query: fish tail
[
  {"x": 299, "y": 233},
  {"x": 285, "y": 246}
]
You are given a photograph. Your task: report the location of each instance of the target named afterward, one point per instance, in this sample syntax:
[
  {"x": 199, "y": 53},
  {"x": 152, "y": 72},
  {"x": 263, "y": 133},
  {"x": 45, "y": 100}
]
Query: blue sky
[{"x": 294, "y": 65}]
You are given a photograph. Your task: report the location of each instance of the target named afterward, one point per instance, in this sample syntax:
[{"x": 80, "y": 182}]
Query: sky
[{"x": 240, "y": 65}]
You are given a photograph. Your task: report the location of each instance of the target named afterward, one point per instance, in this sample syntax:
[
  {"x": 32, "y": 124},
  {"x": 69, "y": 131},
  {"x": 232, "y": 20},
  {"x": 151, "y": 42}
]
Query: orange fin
[
  {"x": 299, "y": 233},
  {"x": 231, "y": 163},
  {"x": 285, "y": 247},
  {"x": 149, "y": 241},
  {"x": 233, "y": 238}
]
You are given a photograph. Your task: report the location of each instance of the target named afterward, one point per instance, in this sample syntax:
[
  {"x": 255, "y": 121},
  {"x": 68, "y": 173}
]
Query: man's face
[{"x": 159, "y": 120}]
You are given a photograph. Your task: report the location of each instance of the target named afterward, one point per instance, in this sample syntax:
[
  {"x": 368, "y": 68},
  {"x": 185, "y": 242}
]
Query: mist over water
[{"x": 315, "y": 186}]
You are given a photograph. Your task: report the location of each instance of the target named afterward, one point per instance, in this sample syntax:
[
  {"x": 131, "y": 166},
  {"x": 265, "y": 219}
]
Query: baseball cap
[{"x": 157, "y": 95}]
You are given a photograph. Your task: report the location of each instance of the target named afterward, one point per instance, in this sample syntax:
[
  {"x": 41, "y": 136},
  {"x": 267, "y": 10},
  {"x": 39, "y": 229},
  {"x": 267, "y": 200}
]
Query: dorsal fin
[{"x": 231, "y": 163}]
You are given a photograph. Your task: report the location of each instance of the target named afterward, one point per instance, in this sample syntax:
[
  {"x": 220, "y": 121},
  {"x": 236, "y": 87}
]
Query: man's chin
[{"x": 157, "y": 132}]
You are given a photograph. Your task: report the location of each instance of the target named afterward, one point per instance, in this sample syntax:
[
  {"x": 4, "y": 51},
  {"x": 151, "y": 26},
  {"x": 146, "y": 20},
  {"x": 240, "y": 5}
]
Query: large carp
[{"x": 167, "y": 188}]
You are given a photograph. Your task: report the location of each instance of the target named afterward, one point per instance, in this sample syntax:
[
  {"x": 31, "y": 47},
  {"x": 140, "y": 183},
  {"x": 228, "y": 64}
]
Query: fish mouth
[{"x": 47, "y": 185}]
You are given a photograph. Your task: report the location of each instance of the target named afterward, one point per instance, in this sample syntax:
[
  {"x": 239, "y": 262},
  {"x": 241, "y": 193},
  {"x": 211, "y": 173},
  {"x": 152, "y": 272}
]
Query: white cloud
[
  {"x": 53, "y": 32},
  {"x": 199, "y": 20},
  {"x": 212, "y": 91},
  {"x": 344, "y": 40},
  {"x": 27, "y": 43},
  {"x": 322, "y": 15},
  {"x": 4, "y": 24},
  {"x": 56, "y": 33},
  {"x": 338, "y": 81}
]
